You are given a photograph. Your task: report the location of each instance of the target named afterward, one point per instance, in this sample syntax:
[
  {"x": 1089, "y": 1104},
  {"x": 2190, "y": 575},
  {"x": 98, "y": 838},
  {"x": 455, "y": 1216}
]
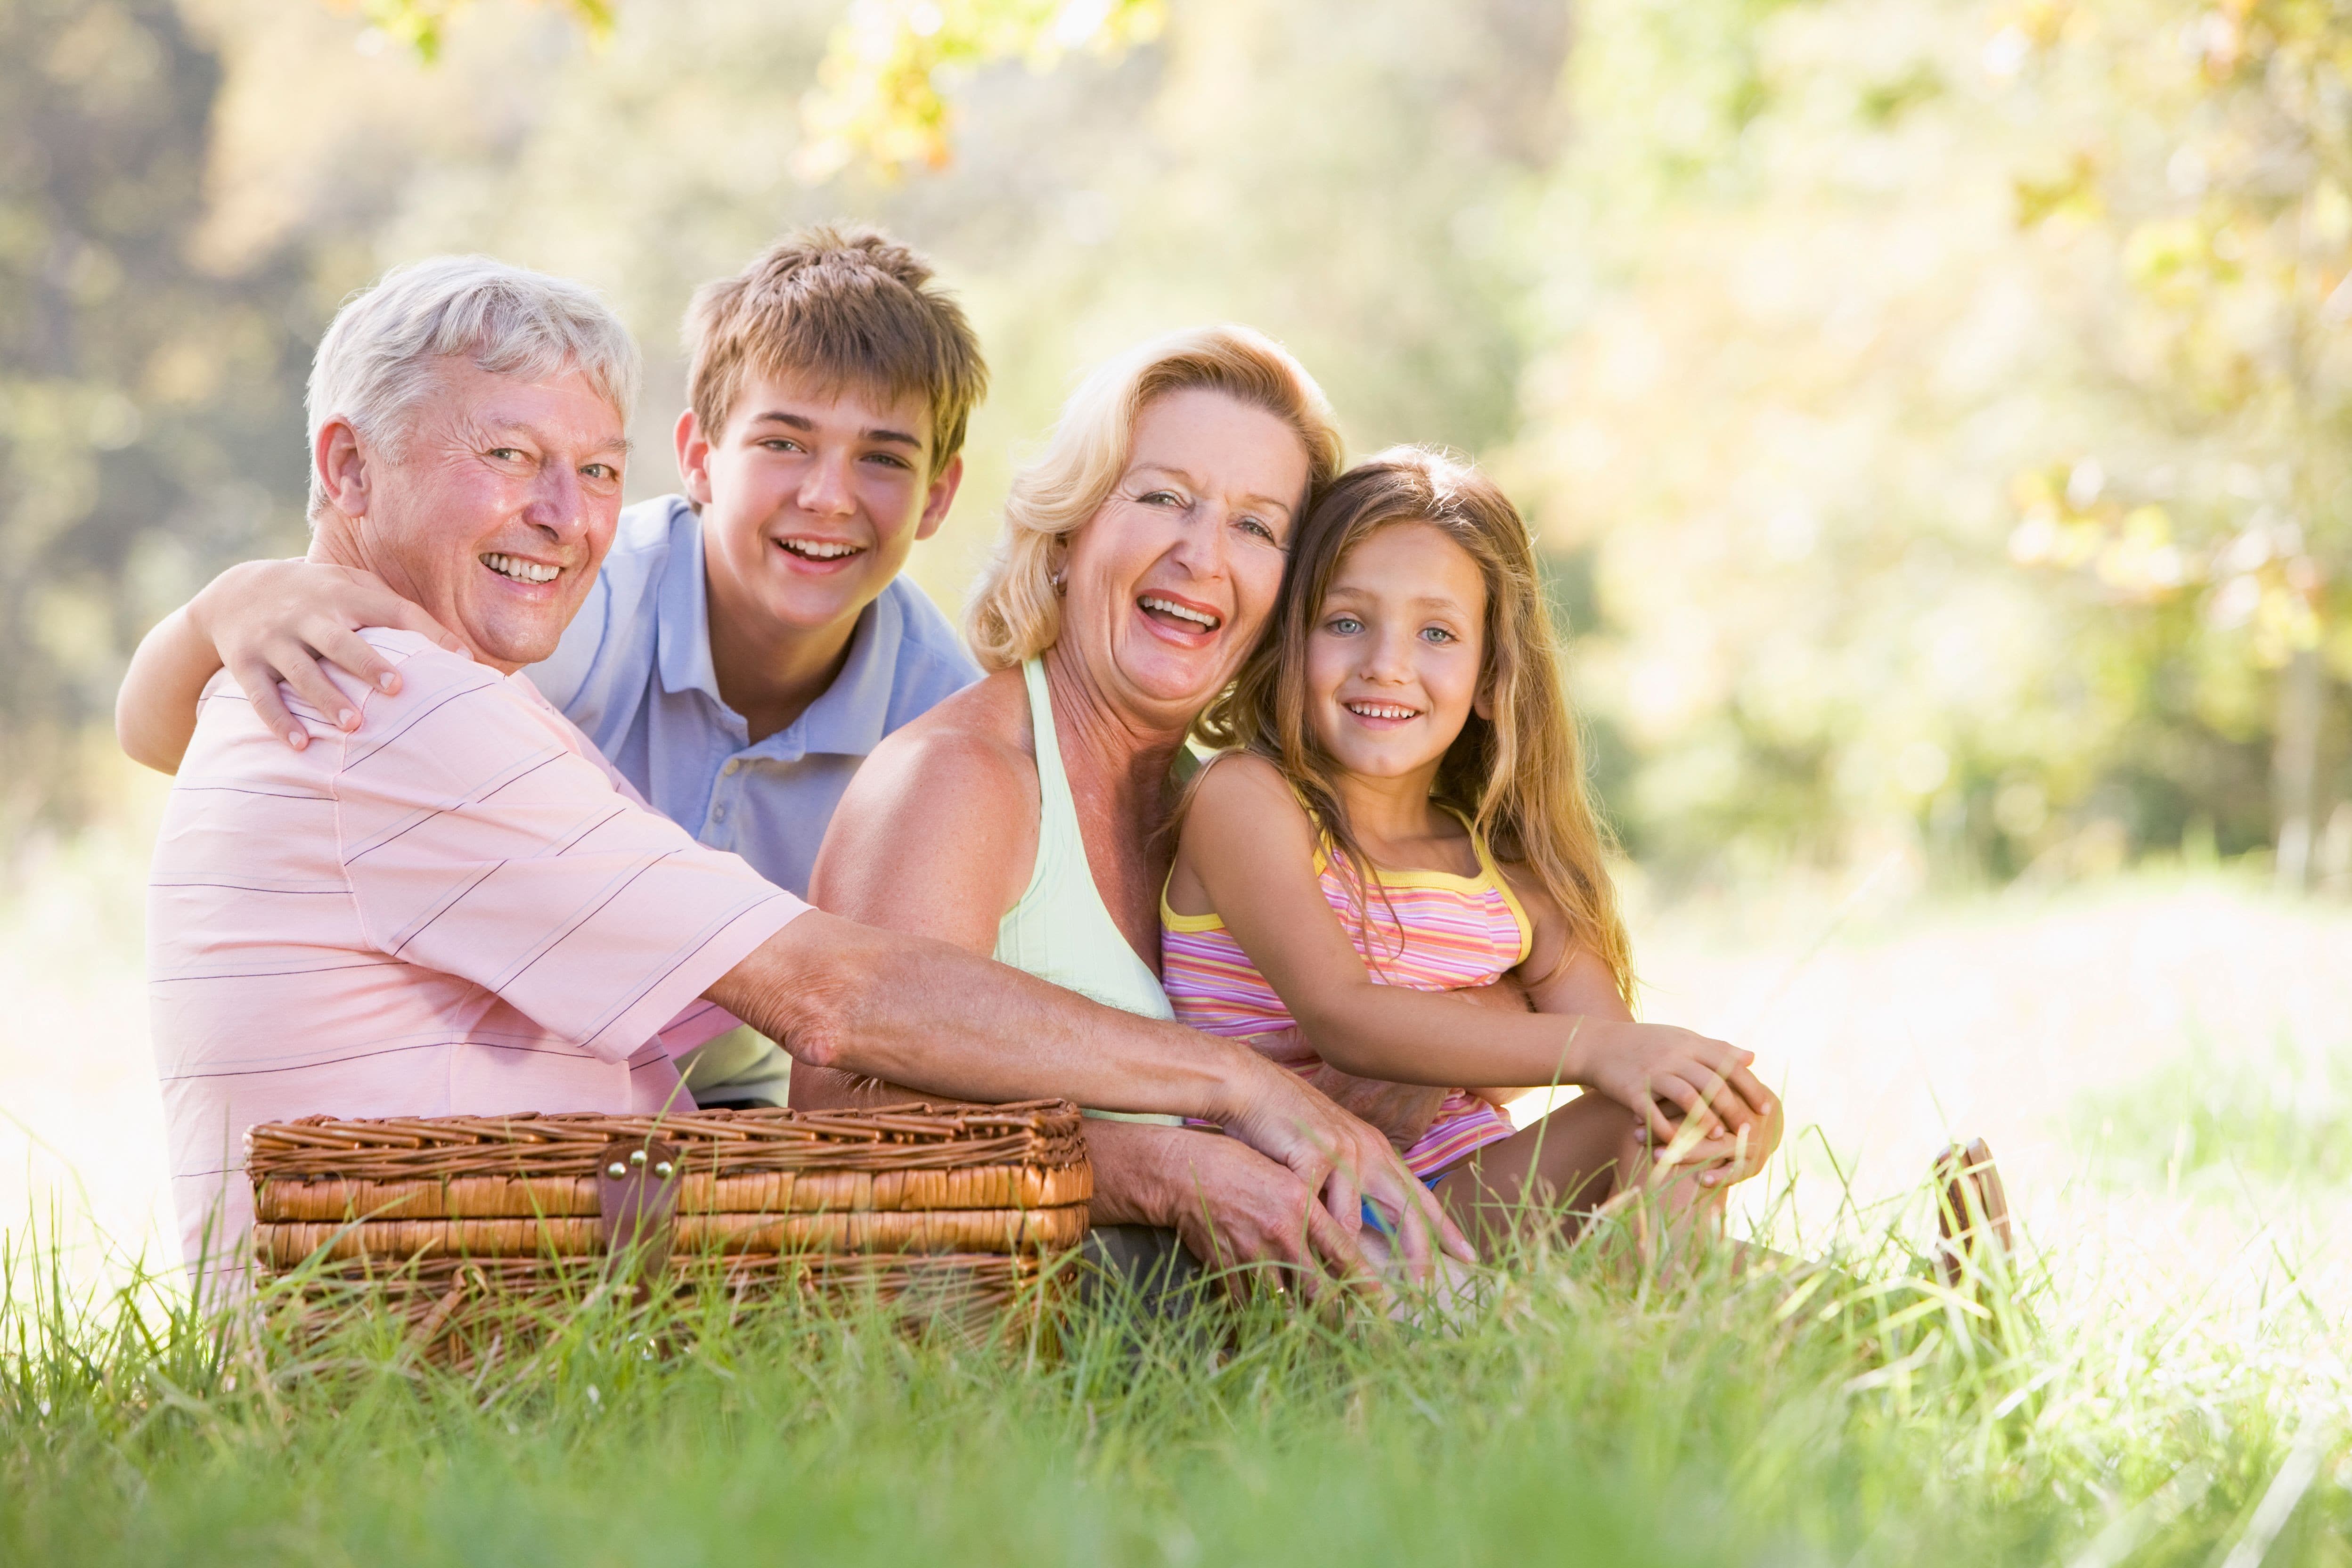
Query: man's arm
[{"x": 907, "y": 1009}]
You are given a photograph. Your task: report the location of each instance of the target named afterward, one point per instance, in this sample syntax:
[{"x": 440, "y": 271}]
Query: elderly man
[{"x": 457, "y": 906}]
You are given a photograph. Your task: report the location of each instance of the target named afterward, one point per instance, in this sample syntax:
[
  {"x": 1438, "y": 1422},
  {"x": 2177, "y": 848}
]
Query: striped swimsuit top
[{"x": 1429, "y": 931}]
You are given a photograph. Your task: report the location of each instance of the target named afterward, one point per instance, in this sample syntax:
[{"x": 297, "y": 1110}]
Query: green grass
[
  {"x": 2205, "y": 1123},
  {"x": 2179, "y": 1330},
  {"x": 1782, "y": 1416}
]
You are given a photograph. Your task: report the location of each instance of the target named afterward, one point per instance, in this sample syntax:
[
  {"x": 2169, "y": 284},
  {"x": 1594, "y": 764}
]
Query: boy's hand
[
  {"x": 273, "y": 621},
  {"x": 1668, "y": 1076}
]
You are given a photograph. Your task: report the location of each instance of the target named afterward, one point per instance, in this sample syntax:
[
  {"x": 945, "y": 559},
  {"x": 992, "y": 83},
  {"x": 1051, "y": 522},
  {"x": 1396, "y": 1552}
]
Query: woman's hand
[
  {"x": 1346, "y": 1161},
  {"x": 1670, "y": 1077},
  {"x": 273, "y": 621}
]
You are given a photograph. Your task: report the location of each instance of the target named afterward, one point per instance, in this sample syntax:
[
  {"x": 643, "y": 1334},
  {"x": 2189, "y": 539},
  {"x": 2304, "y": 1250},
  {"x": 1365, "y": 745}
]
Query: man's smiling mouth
[
  {"x": 1200, "y": 620},
  {"x": 820, "y": 548},
  {"x": 521, "y": 571}
]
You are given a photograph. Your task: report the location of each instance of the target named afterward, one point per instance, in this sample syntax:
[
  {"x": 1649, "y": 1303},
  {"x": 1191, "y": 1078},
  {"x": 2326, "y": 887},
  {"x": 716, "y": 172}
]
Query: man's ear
[
  {"x": 693, "y": 459},
  {"x": 941, "y": 498},
  {"x": 342, "y": 467}
]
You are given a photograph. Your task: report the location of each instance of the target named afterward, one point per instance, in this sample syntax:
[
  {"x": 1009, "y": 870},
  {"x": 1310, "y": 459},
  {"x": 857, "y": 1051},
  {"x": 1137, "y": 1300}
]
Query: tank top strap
[
  {"x": 1492, "y": 874},
  {"x": 1057, "y": 817}
]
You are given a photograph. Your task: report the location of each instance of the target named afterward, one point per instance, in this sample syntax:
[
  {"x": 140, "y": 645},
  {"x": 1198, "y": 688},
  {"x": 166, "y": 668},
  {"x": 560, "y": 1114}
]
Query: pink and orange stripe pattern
[{"x": 1429, "y": 931}]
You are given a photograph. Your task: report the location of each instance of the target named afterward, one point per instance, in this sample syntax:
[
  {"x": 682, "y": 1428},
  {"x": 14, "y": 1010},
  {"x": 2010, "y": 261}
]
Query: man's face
[
  {"x": 495, "y": 506},
  {"x": 812, "y": 499}
]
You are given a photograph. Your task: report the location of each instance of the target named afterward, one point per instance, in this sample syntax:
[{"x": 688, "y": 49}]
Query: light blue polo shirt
[{"x": 633, "y": 670}]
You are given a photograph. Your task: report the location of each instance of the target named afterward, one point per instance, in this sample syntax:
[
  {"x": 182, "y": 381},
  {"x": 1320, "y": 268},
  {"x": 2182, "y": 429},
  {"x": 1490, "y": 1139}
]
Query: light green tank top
[{"x": 1060, "y": 931}]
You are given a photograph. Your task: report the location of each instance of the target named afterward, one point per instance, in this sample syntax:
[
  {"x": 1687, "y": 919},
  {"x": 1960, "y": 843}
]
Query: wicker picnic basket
[{"x": 886, "y": 1198}]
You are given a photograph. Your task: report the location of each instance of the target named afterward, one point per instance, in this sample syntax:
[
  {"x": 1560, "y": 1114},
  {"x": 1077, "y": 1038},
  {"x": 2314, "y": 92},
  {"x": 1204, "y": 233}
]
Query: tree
[
  {"x": 2212, "y": 146},
  {"x": 150, "y": 413}
]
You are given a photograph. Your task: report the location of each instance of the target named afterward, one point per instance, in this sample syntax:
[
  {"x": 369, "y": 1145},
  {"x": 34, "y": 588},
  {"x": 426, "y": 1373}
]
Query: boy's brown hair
[{"x": 846, "y": 304}]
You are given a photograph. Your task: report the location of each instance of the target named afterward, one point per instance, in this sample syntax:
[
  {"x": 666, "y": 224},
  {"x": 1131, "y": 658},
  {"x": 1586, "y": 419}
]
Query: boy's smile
[{"x": 811, "y": 498}]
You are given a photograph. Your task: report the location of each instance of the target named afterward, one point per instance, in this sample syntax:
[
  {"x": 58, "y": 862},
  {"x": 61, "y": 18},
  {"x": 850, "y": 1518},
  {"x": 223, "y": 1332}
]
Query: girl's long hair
[{"x": 1519, "y": 777}]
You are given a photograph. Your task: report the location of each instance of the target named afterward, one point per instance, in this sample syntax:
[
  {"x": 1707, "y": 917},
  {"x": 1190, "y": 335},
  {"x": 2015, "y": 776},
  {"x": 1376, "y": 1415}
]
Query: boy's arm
[
  {"x": 268, "y": 622},
  {"x": 1253, "y": 849}
]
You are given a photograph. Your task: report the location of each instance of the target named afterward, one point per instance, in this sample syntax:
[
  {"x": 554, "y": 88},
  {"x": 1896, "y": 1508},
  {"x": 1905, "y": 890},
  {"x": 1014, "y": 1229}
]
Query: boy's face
[{"x": 812, "y": 499}]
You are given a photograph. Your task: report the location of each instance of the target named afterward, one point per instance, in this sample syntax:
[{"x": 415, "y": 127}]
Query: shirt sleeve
[{"x": 481, "y": 842}]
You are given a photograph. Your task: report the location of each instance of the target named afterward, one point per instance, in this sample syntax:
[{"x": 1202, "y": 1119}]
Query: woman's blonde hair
[
  {"x": 1015, "y": 614},
  {"x": 1519, "y": 777}
]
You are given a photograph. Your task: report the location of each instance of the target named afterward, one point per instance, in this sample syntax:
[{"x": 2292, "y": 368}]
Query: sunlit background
[{"x": 1933, "y": 416}]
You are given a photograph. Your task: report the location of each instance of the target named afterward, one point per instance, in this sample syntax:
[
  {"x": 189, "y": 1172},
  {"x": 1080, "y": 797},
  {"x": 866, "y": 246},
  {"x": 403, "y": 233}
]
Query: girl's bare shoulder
[{"x": 1245, "y": 781}]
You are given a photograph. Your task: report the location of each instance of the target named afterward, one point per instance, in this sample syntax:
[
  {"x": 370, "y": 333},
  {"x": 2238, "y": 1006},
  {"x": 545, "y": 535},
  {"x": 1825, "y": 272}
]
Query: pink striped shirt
[
  {"x": 1433, "y": 930},
  {"x": 460, "y": 908}
]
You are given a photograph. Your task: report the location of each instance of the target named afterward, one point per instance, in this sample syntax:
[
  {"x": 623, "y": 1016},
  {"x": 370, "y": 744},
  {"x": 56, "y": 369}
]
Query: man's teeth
[
  {"x": 521, "y": 571},
  {"x": 1381, "y": 711},
  {"x": 818, "y": 549},
  {"x": 1201, "y": 618}
]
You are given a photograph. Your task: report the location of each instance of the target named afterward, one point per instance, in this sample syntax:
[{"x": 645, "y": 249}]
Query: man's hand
[
  {"x": 1345, "y": 1161},
  {"x": 1234, "y": 1208},
  {"x": 273, "y": 621}
]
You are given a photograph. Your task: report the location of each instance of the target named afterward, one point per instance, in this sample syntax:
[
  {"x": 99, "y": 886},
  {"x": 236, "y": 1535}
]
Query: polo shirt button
[
  {"x": 734, "y": 766},
  {"x": 719, "y": 812}
]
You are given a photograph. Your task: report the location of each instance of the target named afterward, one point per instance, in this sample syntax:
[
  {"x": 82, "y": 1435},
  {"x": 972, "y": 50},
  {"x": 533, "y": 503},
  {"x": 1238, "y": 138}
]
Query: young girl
[{"x": 1401, "y": 824}]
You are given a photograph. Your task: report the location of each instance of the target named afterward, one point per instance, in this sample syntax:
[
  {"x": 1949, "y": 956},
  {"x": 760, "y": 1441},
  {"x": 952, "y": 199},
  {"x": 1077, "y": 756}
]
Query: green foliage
[
  {"x": 879, "y": 97},
  {"x": 150, "y": 411},
  {"x": 1950, "y": 473}
]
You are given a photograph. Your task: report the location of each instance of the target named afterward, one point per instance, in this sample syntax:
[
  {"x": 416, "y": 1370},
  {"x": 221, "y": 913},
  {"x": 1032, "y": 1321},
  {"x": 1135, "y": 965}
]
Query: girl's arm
[
  {"x": 1563, "y": 975},
  {"x": 1249, "y": 848},
  {"x": 268, "y": 621}
]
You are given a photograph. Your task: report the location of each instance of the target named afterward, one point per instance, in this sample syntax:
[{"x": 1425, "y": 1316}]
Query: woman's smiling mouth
[{"x": 1184, "y": 616}]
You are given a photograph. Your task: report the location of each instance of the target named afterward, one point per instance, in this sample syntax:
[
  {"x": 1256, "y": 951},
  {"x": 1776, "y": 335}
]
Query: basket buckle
[{"x": 637, "y": 1206}]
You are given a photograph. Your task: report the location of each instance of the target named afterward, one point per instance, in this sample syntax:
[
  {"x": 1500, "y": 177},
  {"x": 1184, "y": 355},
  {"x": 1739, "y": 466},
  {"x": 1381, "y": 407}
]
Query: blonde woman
[{"x": 1023, "y": 817}]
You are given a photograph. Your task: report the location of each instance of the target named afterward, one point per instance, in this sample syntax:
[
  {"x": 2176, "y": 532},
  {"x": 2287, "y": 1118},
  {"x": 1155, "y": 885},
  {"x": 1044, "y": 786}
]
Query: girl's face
[
  {"x": 1170, "y": 584},
  {"x": 1394, "y": 657}
]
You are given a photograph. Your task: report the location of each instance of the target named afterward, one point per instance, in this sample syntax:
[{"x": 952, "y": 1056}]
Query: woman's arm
[
  {"x": 937, "y": 835},
  {"x": 269, "y": 621},
  {"x": 953, "y": 880},
  {"x": 1252, "y": 848}
]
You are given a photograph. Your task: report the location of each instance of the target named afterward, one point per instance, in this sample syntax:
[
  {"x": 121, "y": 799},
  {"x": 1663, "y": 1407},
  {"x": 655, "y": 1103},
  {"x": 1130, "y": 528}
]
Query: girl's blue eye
[
  {"x": 1437, "y": 634},
  {"x": 1346, "y": 626}
]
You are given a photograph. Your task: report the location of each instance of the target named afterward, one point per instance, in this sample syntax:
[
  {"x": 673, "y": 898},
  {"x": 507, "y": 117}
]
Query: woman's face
[{"x": 1171, "y": 580}]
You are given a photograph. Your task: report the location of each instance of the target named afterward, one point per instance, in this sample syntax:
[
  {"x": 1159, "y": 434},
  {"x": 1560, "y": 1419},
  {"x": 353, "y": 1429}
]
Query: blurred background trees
[{"x": 1933, "y": 412}]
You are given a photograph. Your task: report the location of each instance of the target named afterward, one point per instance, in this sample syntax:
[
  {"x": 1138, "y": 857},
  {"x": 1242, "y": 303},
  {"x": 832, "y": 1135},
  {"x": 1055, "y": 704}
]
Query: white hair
[{"x": 378, "y": 356}]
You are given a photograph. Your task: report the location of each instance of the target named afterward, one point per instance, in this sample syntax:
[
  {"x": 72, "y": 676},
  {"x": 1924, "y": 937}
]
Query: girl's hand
[
  {"x": 273, "y": 621},
  {"x": 1650, "y": 1067},
  {"x": 1734, "y": 1157}
]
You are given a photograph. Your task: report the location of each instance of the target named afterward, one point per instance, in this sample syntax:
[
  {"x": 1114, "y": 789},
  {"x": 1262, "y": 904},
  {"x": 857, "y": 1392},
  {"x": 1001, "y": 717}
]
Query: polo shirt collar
[
  {"x": 848, "y": 717},
  {"x": 682, "y": 610}
]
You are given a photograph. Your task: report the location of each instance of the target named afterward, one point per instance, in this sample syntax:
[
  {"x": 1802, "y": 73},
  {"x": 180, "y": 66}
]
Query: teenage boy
[{"x": 748, "y": 642}]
